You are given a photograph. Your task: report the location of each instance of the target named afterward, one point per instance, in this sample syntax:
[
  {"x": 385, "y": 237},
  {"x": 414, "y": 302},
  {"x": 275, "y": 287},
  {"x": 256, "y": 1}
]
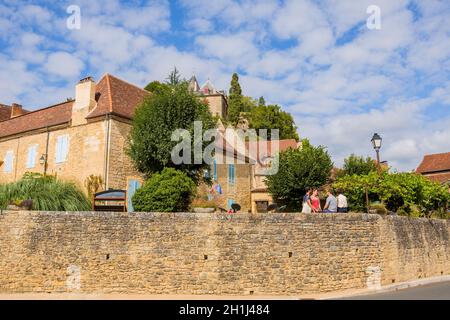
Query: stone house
[
  {"x": 436, "y": 167},
  {"x": 240, "y": 170},
  {"x": 83, "y": 136},
  {"x": 76, "y": 138}
]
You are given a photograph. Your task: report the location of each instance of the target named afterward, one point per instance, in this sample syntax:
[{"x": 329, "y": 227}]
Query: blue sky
[{"x": 315, "y": 58}]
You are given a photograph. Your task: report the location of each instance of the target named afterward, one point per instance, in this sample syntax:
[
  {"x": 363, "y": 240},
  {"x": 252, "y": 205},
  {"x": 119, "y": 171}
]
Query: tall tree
[
  {"x": 174, "y": 77},
  {"x": 261, "y": 101},
  {"x": 357, "y": 165},
  {"x": 235, "y": 103},
  {"x": 156, "y": 119},
  {"x": 298, "y": 170},
  {"x": 156, "y": 86},
  {"x": 272, "y": 117}
]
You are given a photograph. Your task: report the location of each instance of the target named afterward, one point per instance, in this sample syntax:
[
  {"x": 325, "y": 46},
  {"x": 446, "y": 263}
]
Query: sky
[{"x": 341, "y": 80}]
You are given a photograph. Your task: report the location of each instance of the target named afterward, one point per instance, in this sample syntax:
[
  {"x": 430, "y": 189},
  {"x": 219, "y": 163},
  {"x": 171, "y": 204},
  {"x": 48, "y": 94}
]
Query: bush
[
  {"x": 168, "y": 191},
  {"x": 407, "y": 194},
  {"x": 298, "y": 170},
  {"x": 156, "y": 119},
  {"x": 46, "y": 192}
]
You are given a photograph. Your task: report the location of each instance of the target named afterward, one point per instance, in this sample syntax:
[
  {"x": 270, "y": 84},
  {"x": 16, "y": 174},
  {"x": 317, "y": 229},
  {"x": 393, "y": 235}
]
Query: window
[
  {"x": 230, "y": 202},
  {"x": 9, "y": 158},
  {"x": 31, "y": 160},
  {"x": 62, "y": 148},
  {"x": 231, "y": 175},
  {"x": 215, "y": 170}
]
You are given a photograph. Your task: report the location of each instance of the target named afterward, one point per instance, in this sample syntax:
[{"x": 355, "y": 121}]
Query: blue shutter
[
  {"x": 65, "y": 149},
  {"x": 133, "y": 185},
  {"x": 8, "y": 161},
  {"x": 31, "y": 160},
  {"x": 231, "y": 174},
  {"x": 62, "y": 148},
  {"x": 215, "y": 170}
]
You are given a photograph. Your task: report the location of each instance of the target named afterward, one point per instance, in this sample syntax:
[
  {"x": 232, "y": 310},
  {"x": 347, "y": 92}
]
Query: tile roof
[
  {"x": 439, "y": 177},
  {"x": 266, "y": 146},
  {"x": 42, "y": 118},
  {"x": 117, "y": 97},
  {"x": 435, "y": 163},
  {"x": 113, "y": 96}
]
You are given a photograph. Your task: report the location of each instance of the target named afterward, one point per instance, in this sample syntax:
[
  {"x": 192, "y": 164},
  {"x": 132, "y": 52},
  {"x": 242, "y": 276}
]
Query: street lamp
[
  {"x": 376, "y": 142},
  {"x": 43, "y": 162}
]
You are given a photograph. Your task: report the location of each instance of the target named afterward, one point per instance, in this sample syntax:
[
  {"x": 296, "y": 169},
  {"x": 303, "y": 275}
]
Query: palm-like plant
[{"x": 46, "y": 192}]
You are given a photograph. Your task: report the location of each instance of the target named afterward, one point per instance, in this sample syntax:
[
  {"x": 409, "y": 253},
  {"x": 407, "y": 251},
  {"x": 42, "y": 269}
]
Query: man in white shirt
[{"x": 342, "y": 205}]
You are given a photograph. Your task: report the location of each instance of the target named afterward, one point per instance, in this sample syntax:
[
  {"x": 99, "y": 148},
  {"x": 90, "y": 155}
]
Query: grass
[{"x": 47, "y": 194}]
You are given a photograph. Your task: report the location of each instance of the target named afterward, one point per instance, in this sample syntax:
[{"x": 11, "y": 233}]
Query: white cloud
[
  {"x": 394, "y": 80},
  {"x": 64, "y": 64}
]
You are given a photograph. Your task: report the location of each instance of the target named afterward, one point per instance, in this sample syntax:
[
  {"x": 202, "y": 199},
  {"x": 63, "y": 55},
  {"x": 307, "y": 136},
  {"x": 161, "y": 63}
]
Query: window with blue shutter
[
  {"x": 231, "y": 174},
  {"x": 9, "y": 158},
  {"x": 31, "y": 159},
  {"x": 133, "y": 186},
  {"x": 62, "y": 148},
  {"x": 230, "y": 202}
]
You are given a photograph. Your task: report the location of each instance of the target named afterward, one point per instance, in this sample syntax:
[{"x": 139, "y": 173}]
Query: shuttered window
[
  {"x": 9, "y": 159},
  {"x": 31, "y": 159},
  {"x": 62, "y": 148},
  {"x": 231, "y": 174}
]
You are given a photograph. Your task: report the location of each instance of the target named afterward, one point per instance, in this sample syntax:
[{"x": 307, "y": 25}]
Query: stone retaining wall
[{"x": 185, "y": 253}]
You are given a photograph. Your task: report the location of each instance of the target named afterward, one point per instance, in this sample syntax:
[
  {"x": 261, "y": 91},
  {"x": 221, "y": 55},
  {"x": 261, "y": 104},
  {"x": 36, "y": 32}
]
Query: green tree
[
  {"x": 155, "y": 121},
  {"x": 261, "y": 101},
  {"x": 407, "y": 194},
  {"x": 174, "y": 78},
  {"x": 272, "y": 117},
  {"x": 235, "y": 103},
  {"x": 168, "y": 191},
  {"x": 298, "y": 170},
  {"x": 358, "y": 165},
  {"x": 156, "y": 86}
]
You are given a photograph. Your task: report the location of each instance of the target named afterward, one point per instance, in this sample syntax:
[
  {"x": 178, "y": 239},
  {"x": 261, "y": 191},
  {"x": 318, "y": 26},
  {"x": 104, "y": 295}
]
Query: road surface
[{"x": 436, "y": 291}]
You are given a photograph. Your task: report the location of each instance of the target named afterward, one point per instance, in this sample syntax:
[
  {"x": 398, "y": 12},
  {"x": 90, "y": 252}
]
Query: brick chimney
[
  {"x": 16, "y": 110},
  {"x": 84, "y": 100}
]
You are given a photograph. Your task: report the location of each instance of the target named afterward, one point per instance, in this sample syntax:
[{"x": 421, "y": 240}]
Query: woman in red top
[{"x": 315, "y": 202}]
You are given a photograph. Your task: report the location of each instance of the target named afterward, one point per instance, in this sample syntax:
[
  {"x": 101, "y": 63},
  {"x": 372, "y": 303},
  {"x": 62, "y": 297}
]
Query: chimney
[
  {"x": 16, "y": 110},
  {"x": 84, "y": 100}
]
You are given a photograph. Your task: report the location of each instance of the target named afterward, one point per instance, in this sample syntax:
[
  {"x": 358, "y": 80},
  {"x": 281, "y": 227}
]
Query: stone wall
[{"x": 215, "y": 254}]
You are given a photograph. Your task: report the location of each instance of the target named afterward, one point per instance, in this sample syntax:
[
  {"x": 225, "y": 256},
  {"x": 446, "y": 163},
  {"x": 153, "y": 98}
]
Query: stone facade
[
  {"x": 96, "y": 124},
  {"x": 182, "y": 253}
]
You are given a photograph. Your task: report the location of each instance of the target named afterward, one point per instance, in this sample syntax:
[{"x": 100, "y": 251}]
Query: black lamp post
[{"x": 376, "y": 143}]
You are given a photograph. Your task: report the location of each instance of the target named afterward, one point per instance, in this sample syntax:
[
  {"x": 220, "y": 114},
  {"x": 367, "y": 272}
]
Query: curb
[{"x": 390, "y": 288}]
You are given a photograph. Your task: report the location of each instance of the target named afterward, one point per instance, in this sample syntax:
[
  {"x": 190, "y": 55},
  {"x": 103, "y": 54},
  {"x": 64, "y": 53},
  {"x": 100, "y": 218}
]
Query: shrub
[
  {"x": 299, "y": 169},
  {"x": 46, "y": 192},
  {"x": 405, "y": 193},
  {"x": 168, "y": 191}
]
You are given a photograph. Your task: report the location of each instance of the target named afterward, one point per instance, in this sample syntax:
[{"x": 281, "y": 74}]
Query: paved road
[{"x": 437, "y": 291}]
